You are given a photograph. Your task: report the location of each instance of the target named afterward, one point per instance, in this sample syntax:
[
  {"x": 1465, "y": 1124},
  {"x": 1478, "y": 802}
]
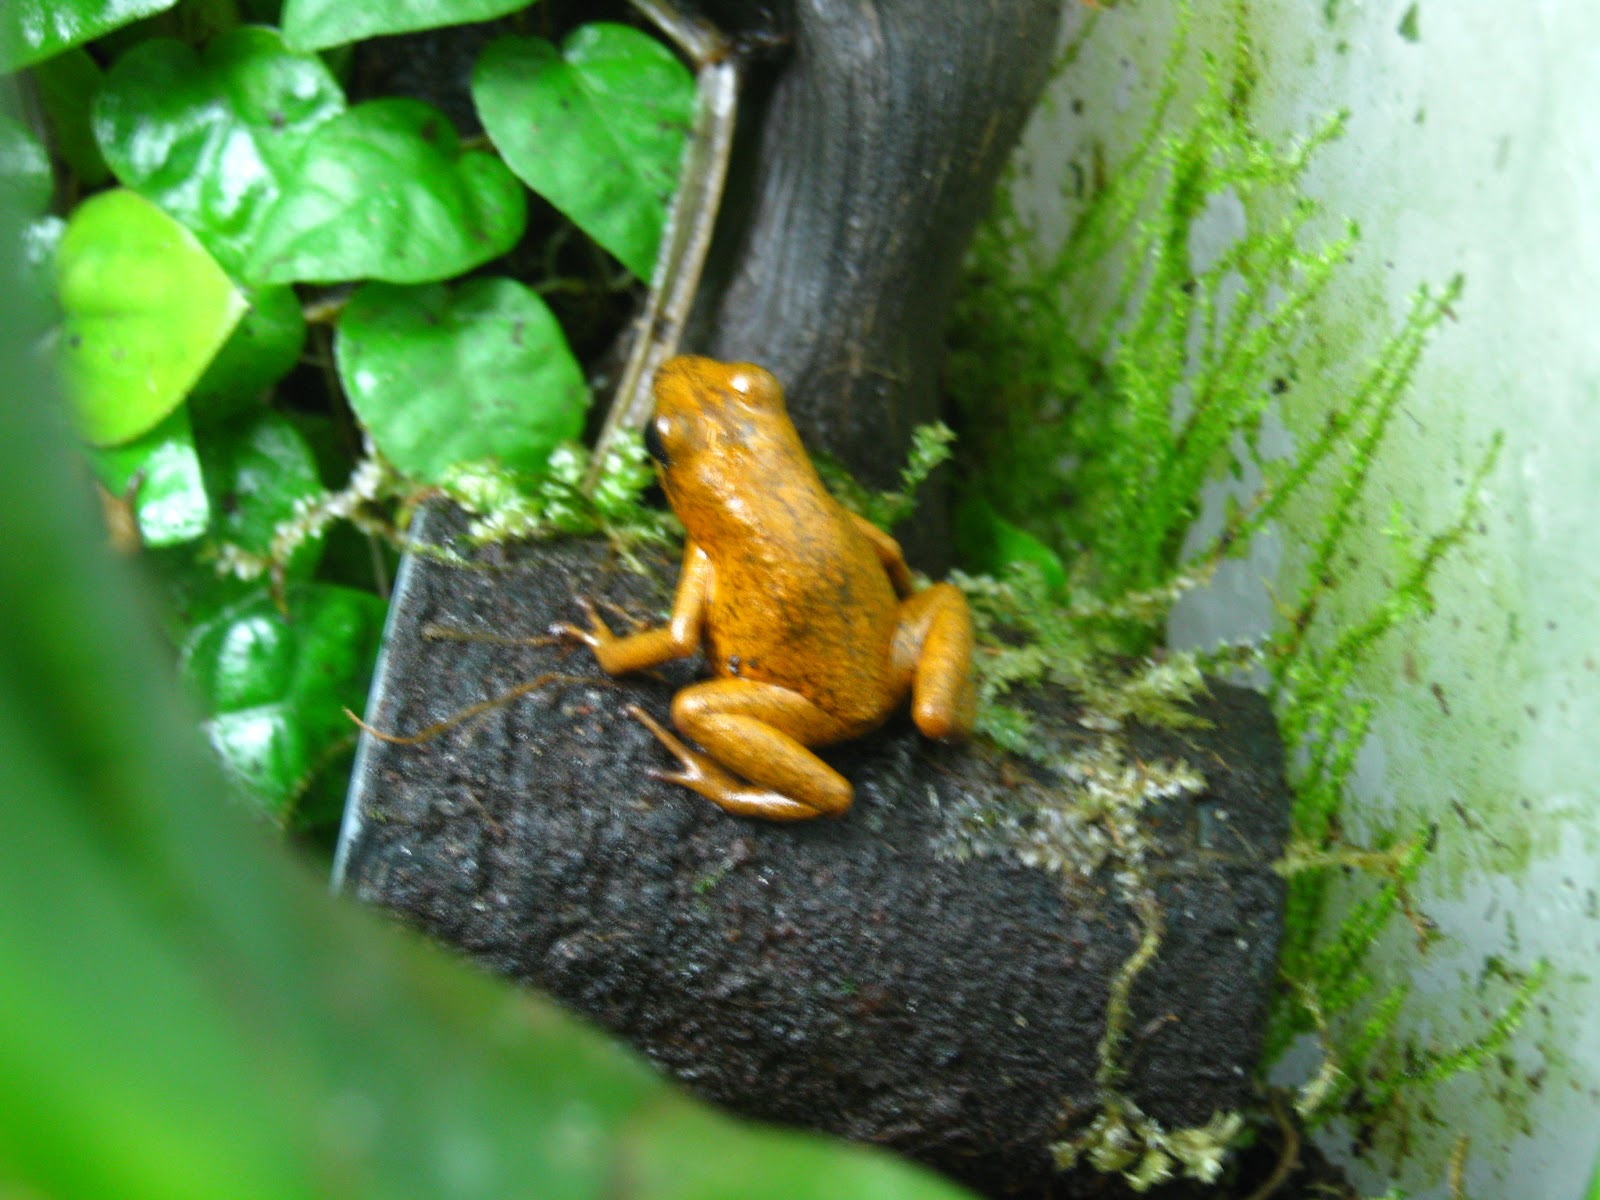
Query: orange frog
[{"x": 805, "y": 610}]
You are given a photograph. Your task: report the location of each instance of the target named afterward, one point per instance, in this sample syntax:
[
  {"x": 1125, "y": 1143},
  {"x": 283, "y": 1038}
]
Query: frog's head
[{"x": 712, "y": 417}]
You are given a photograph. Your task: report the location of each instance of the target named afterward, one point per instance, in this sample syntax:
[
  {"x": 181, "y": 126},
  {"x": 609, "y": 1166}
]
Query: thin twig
[
  {"x": 687, "y": 236},
  {"x": 697, "y": 39},
  {"x": 445, "y": 633}
]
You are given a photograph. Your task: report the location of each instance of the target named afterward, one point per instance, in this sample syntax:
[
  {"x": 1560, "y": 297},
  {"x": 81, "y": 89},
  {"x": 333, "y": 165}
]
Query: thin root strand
[
  {"x": 446, "y": 633},
  {"x": 1288, "y": 1157},
  {"x": 429, "y": 732}
]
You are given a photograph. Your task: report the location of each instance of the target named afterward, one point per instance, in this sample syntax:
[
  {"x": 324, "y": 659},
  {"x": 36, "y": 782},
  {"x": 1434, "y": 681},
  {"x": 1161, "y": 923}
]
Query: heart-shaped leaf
[
  {"x": 146, "y": 308},
  {"x": 257, "y": 466},
  {"x": 192, "y": 588},
  {"x": 214, "y": 140},
  {"x": 34, "y": 30},
  {"x": 317, "y": 24},
  {"x": 596, "y": 127},
  {"x": 264, "y": 347},
  {"x": 384, "y": 192},
  {"x": 159, "y": 474},
  {"x": 441, "y": 378},
  {"x": 274, "y": 684},
  {"x": 66, "y": 85},
  {"x": 25, "y": 180}
]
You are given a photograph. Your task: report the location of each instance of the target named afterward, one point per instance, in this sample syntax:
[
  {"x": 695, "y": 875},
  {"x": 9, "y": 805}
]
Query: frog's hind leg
[
  {"x": 934, "y": 645},
  {"x": 755, "y": 763}
]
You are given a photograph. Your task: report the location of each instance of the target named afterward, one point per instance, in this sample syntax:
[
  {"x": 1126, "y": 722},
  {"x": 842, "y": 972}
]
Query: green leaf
[
  {"x": 146, "y": 309},
  {"x": 67, "y": 85},
  {"x": 440, "y": 378},
  {"x": 34, "y": 30},
  {"x": 214, "y": 140},
  {"x": 25, "y": 179},
  {"x": 989, "y": 543},
  {"x": 274, "y": 684},
  {"x": 596, "y": 128},
  {"x": 667, "y": 1160},
  {"x": 384, "y": 192},
  {"x": 318, "y": 24},
  {"x": 161, "y": 470},
  {"x": 191, "y": 589},
  {"x": 264, "y": 348},
  {"x": 257, "y": 466}
]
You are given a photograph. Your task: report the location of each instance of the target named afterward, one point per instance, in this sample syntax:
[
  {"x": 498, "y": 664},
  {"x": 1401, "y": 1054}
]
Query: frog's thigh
[
  {"x": 759, "y": 731},
  {"x": 934, "y": 644}
]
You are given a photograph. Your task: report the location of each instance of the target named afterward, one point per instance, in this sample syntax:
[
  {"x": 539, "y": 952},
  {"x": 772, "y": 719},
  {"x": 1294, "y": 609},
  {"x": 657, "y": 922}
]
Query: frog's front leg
[
  {"x": 755, "y": 763},
  {"x": 933, "y": 644},
  {"x": 678, "y": 638}
]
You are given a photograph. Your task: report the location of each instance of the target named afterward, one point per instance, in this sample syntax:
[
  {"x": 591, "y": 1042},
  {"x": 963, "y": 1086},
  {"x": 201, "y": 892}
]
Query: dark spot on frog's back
[{"x": 846, "y": 592}]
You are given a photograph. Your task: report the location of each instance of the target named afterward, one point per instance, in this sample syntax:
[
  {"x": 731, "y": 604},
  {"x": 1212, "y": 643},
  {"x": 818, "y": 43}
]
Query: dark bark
[
  {"x": 856, "y": 976},
  {"x": 875, "y": 142}
]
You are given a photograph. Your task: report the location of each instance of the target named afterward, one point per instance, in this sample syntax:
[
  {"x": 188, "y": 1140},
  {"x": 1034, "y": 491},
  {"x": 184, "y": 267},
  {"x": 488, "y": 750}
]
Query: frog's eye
[
  {"x": 652, "y": 442},
  {"x": 741, "y": 383}
]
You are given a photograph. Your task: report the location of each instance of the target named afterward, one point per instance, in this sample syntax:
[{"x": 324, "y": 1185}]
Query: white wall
[{"x": 1473, "y": 147}]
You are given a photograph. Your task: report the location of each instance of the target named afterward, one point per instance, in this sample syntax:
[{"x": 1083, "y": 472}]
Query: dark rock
[{"x": 858, "y": 976}]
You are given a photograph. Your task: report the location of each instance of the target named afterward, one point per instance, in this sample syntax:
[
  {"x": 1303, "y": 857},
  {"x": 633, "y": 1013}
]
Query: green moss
[
  {"x": 506, "y": 506},
  {"x": 555, "y": 504},
  {"x": 1410, "y": 25},
  {"x": 1102, "y": 388},
  {"x": 1087, "y": 452},
  {"x": 1125, "y": 1141},
  {"x": 930, "y": 447}
]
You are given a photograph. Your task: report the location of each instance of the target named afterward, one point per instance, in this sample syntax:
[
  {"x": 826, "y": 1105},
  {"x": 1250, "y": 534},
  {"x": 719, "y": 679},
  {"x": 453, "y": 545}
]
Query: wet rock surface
[{"x": 872, "y": 977}]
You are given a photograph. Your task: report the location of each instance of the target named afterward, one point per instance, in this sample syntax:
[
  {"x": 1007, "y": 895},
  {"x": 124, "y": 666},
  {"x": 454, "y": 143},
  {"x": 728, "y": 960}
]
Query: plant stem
[{"x": 687, "y": 237}]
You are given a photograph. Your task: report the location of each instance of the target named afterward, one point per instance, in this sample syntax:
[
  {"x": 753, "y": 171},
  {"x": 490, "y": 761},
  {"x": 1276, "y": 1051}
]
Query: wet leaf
[
  {"x": 265, "y": 346},
  {"x": 274, "y": 684},
  {"x": 317, "y": 24},
  {"x": 384, "y": 191},
  {"x": 159, "y": 474},
  {"x": 215, "y": 140},
  {"x": 146, "y": 309},
  {"x": 989, "y": 543},
  {"x": 442, "y": 377},
  {"x": 257, "y": 466},
  {"x": 34, "y": 30},
  {"x": 596, "y": 127},
  {"x": 67, "y": 84}
]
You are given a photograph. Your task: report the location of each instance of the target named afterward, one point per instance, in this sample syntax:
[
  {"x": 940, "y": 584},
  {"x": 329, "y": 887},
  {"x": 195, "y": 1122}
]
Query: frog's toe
[
  {"x": 596, "y": 633},
  {"x": 663, "y": 735}
]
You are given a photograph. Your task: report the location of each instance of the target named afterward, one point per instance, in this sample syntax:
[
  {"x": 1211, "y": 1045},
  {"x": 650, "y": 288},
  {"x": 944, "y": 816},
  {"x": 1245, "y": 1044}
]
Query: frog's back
[{"x": 806, "y": 603}]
